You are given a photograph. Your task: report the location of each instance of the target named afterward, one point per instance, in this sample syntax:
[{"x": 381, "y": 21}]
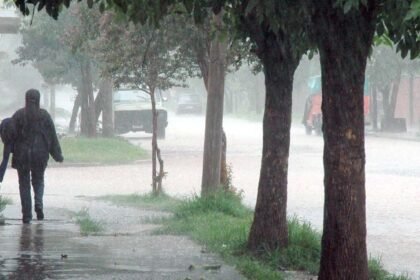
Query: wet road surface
[
  {"x": 54, "y": 248},
  {"x": 392, "y": 180}
]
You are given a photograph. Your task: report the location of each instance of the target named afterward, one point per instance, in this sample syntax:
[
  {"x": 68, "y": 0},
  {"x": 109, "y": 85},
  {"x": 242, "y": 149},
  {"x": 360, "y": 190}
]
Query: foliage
[
  {"x": 222, "y": 223},
  {"x": 142, "y": 57},
  {"x": 57, "y": 48},
  {"x": 100, "y": 150},
  {"x": 88, "y": 226},
  {"x": 398, "y": 21}
]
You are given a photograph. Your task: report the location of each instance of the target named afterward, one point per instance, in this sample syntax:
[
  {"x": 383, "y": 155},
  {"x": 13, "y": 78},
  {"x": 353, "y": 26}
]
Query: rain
[{"x": 111, "y": 207}]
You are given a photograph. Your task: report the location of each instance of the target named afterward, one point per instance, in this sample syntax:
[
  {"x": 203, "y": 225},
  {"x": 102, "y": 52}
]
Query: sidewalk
[{"x": 54, "y": 248}]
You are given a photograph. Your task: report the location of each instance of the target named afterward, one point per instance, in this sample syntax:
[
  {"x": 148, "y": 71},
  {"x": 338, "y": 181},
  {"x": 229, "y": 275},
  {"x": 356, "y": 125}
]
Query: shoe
[
  {"x": 39, "y": 215},
  {"x": 26, "y": 220}
]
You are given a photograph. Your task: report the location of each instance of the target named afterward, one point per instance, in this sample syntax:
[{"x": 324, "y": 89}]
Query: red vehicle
[{"x": 312, "y": 117}]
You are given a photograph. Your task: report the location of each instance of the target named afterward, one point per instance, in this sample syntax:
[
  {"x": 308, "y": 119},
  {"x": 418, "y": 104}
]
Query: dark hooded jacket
[{"x": 36, "y": 138}]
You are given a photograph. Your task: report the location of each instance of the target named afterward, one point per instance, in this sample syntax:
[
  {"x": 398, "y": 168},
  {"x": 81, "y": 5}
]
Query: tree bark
[
  {"x": 269, "y": 228},
  {"x": 214, "y": 115},
  {"x": 344, "y": 41}
]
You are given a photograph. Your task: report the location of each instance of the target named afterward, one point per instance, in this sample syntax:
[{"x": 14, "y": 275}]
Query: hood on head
[{"x": 32, "y": 98}]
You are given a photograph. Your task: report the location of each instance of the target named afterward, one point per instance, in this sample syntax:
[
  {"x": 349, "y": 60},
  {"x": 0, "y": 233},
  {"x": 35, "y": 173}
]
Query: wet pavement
[
  {"x": 54, "y": 248},
  {"x": 392, "y": 183}
]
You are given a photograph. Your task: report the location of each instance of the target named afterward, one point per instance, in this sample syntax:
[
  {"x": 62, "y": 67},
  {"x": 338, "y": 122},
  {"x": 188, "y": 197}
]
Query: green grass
[
  {"x": 221, "y": 223},
  {"x": 87, "y": 225},
  {"x": 100, "y": 150}
]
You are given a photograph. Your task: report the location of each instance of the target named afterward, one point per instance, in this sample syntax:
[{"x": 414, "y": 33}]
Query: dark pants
[{"x": 25, "y": 175}]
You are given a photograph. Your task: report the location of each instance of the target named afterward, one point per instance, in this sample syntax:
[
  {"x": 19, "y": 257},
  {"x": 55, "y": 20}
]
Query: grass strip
[
  {"x": 221, "y": 223},
  {"x": 100, "y": 150}
]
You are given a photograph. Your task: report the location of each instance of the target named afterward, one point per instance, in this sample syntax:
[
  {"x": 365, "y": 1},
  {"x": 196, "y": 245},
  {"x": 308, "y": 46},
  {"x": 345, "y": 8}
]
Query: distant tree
[
  {"x": 146, "y": 58},
  {"x": 58, "y": 50}
]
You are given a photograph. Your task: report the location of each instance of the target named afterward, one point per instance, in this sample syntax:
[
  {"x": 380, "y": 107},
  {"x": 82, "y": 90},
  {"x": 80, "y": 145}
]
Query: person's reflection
[{"x": 30, "y": 263}]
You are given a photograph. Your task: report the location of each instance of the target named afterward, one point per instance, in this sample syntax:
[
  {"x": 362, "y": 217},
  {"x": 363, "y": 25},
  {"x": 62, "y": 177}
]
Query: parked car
[
  {"x": 133, "y": 112},
  {"x": 189, "y": 103}
]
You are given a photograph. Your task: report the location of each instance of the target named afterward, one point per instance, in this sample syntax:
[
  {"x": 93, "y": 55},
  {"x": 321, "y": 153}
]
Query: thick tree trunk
[
  {"x": 214, "y": 115},
  {"x": 203, "y": 62},
  {"x": 344, "y": 42},
  {"x": 269, "y": 228}
]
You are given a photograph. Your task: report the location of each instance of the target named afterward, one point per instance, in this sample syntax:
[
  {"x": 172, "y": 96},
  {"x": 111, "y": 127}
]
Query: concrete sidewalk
[{"x": 54, "y": 248}]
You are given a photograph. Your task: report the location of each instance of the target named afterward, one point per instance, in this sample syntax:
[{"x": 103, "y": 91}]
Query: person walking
[{"x": 35, "y": 140}]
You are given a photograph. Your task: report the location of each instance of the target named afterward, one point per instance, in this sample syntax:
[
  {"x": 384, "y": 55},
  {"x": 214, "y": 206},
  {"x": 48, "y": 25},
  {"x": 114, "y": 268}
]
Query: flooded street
[{"x": 392, "y": 180}]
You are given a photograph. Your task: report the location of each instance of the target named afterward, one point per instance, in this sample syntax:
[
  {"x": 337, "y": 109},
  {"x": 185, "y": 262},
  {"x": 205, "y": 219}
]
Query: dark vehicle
[
  {"x": 133, "y": 112},
  {"x": 312, "y": 117},
  {"x": 189, "y": 103}
]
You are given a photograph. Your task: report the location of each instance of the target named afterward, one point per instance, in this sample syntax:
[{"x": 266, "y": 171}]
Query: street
[{"x": 392, "y": 180}]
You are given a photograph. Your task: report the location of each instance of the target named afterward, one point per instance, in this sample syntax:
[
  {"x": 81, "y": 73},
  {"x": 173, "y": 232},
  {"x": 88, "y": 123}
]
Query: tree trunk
[
  {"x": 91, "y": 101},
  {"x": 75, "y": 111},
  {"x": 214, "y": 115},
  {"x": 157, "y": 177},
  {"x": 344, "y": 41},
  {"x": 269, "y": 228},
  {"x": 394, "y": 93}
]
